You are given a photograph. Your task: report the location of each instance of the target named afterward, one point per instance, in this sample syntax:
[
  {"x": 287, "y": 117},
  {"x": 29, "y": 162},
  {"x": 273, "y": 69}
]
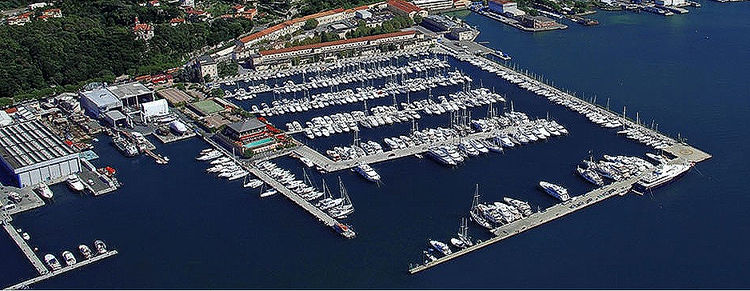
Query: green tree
[{"x": 310, "y": 24}]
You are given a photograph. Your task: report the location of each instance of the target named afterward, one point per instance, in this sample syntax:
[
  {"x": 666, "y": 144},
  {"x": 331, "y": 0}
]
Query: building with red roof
[
  {"x": 406, "y": 9},
  {"x": 19, "y": 19},
  {"x": 176, "y": 21},
  {"x": 143, "y": 31}
]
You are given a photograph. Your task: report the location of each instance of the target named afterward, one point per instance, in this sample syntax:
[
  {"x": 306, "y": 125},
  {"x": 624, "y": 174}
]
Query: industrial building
[
  {"x": 433, "y": 6},
  {"x": 505, "y": 7},
  {"x": 438, "y": 23},
  {"x": 461, "y": 33},
  {"x": 132, "y": 94},
  {"x": 99, "y": 101},
  {"x": 538, "y": 22},
  {"x": 32, "y": 154}
]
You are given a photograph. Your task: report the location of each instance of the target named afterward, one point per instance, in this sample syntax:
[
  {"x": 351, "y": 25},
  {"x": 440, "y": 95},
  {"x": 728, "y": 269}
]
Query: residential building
[
  {"x": 207, "y": 67},
  {"x": 20, "y": 19},
  {"x": 176, "y": 21},
  {"x": 363, "y": 14},
  {"x": 143, "y": 31}
]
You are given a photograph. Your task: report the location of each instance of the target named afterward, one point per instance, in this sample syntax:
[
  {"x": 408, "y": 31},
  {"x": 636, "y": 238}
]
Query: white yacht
[
  {"x": 44, "y": 191},
  {"x": 368, "y": 172},
  {"x": 556, "y": 191},
  {"x": 74, "y": 183}
]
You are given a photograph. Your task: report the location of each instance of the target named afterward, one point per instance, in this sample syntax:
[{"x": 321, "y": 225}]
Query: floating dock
[
  {"x": 27, "y": 251},
  {"x": 50, "y": 274}
]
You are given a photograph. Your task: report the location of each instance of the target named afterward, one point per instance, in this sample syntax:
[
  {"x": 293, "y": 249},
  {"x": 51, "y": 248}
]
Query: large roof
[
  {"x": 129, "y": 90},
  {"x": 29, "y": 143},
  {"x": 404, "y": 6},
  {"x": 246, "y": 125},
  {"x": 101, "y": 97},
  {"x": 337, "y": 42}
]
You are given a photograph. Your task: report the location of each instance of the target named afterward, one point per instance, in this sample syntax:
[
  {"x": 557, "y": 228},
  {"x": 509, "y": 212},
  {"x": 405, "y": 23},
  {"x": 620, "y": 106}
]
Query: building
[
  {"x": 250, "y": 136},
  {"x": 433, "y": 6},
  {"x": 505, "y": 7},
  {"x": 32, "y": 154},
  {"x": 405, "y": 9},
  {"x": 143, "y": 31},
  {"x": 99, "y": 101},
  {"x": 197, "y": 15},
  {"x": 329, "y": 51},
  {"x": 207, "y": 67},
  {"x": 176, "y": 21},
  {"x": 461, "y": 33},
  {"x": 19, "y": 19},
  {"x": 54, "y": 13},
  {"x": 131, "y": 94},
  {"x": 461, "y": 4},
  {"x": 438, "y": 23},
  {"x": 154, "y": 108},
  {"x": 187, "y": 3},
  {"x": 363, "y": 14},
  {"x": 38, "y": 5},
  {"x": 676, "y": 3},
  {"x": 538, "y": 22},
  {"x": 249, "y": 13}
]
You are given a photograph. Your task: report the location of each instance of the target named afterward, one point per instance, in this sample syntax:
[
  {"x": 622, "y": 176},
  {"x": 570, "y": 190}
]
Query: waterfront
[{"x": 213, "y": 234}]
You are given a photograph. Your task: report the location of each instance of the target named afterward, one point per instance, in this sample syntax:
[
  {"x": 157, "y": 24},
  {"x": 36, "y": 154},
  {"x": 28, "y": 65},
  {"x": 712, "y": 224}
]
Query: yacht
[
  {"x": 556, "y": 191},
  {"x": 269, "y": 192},
  {"x": 52, "y": 261},
  {"x": 458, "y": 243},
  {"x": 101, "y": 248},
  {"x": 85, "y": 251},
  {"x": 44, "y": 191},
  {"x": 253, "y": 183},
  {"x": 368, "y": 172},
  {"x": 663, "y": 174},
  {"x": 74, "y": 183},
  {"x": 524, "y": 207},
  {"x": 591, "y": 176},
  {"x": 69, "y": 258},
  {"x": 441, "y": 247}
]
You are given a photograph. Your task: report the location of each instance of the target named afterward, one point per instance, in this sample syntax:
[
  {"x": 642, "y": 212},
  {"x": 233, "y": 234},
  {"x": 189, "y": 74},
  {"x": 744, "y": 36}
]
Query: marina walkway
[{"x": 27, "y": 251}]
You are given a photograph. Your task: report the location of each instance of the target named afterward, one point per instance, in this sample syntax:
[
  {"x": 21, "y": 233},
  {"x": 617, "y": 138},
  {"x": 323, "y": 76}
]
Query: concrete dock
[{"x": 27, "y": 251}]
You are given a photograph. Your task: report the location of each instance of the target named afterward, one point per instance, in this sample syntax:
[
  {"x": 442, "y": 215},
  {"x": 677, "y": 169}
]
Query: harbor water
[{"x": 176, "y": 226}]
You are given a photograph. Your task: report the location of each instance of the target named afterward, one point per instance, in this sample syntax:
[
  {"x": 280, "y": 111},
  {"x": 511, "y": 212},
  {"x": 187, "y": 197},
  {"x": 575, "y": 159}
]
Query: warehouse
[{"x": 31, "y": 154}]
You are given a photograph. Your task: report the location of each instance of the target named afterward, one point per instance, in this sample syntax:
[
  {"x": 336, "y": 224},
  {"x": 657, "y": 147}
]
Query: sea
[{"x": 176, "y": 226}]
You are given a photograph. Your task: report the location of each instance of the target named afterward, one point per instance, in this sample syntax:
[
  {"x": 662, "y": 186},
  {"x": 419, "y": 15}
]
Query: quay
[
  {"x": 516, "y": 23},
  {"x": 95, "y": 182},
  {"x": 25, "y": 248}
]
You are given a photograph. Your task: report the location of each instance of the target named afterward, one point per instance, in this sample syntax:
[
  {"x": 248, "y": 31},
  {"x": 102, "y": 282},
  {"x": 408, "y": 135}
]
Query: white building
[
  {"x": 32, "y": 154},
  {"x": 434, "y": 5},
  {"x": 154, "y": 108},
  {"x": 98, "y": 101}
]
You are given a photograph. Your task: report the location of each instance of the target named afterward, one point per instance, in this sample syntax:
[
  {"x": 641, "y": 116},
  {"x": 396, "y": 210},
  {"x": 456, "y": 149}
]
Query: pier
[
  {"x": 539, "y": 218},
  {"x": 25, "y": 248},
  {"x": 50, "y": 274}
]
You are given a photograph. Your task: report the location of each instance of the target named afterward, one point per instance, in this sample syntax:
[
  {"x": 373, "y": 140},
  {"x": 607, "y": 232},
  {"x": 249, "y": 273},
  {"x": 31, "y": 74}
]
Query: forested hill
[{"x": 94, "y": 40}]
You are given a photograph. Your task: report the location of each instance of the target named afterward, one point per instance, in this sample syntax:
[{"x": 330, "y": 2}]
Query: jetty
[{"x": 50, "y": 274}]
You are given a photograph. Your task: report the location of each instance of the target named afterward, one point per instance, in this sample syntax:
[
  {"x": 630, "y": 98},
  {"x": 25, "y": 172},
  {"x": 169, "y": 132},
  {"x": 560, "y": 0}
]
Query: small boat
[
  {"x": 269, "y": 192},
  {"x": 44, "y": 191},
  {"x": 252, "y": 183},
  {"x": 458, "y": 243},
  {"x": 100, "y": 246},
  {"x": 26, "y": 236},
  {"x": 69, "y": 258},
  {"x": 441, "y": 247},
  {"x": 74, "y": 183},
  {"x": 85, "y": 251},
  {"x": 52, "y": 261}
]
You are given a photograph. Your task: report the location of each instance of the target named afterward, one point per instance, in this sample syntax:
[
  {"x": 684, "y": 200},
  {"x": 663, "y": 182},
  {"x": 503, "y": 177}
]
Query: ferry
[
  {"x": 74, "y": 183},
  {"x": 367, "y": 172},
  {"x": 69, "y": 258},
  {"x": 44, "y": 191},
  {"x": 663, "y": 174},
  {"x": 52, "y": 261},
  {"x": 85, "y": 251},
  {"x": 101, "y": 248},
  {"x": 556, "y": 191}
]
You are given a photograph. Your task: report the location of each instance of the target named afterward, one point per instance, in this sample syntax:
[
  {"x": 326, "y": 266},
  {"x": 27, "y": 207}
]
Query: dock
[
  {"x": 94, "y": 182},
  {"x": 50, "y": 274},
  {"x": 25, "y": 248},
  {"x": 319, "y": 214},
  {"x": 538, "y": 218}
]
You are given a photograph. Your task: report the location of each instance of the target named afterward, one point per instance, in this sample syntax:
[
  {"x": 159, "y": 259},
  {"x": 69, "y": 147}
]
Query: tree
[
  {"x": 310, "y": 24},
  {"x": 417, "y": 19}
]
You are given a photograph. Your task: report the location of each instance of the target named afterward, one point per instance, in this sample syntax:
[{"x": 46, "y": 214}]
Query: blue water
[{"x": 178, "y": 227}]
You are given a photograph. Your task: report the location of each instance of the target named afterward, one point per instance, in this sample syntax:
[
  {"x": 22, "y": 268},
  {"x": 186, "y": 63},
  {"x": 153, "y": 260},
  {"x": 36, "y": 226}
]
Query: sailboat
[
  {"x": 251, "y": 183},
  {"x": 328, "y": 201},
  {"x": 476, "y": 214},
  {"x": 346, "y": 206},
  {"x": 308, "y": 192}
]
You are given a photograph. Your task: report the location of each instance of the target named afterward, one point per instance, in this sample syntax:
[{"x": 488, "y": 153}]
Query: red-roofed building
[
  {"x": 238, "y": 8},
  {"x": 143, "y": 31},
  {"x": 54, "y": 12},
  {"x": 176, "y": 21},
  {"x": 19, "y": 19},
  {"x": 197, "y": 15},
  {"x": 249, "y": 13},
  {"x": 406, "y": 9},
  {"x": 153, "y": 3},
  {"x": 287, "y": 57}
]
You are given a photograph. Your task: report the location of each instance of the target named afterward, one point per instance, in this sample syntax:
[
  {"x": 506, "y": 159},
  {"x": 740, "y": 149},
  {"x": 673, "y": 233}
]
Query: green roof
[{"x": 207, "y": 107}]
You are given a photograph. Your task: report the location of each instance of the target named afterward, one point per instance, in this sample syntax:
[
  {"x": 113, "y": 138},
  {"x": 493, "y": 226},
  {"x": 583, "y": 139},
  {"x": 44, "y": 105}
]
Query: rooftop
[
  {"x": 129, "y": 90},
  {"x": 246, "y": 125},
  {"x": 101, "y": 97},
  {"x": 29, "y": 143},
  {"x": 287, "y": 23},
  {"x": 404, "y": 6}
]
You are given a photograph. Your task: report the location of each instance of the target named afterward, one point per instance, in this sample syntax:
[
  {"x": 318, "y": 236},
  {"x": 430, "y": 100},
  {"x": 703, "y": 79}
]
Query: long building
[
  {"x": 32, "y": 154},
  {"x": 287, "y": 57}
]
